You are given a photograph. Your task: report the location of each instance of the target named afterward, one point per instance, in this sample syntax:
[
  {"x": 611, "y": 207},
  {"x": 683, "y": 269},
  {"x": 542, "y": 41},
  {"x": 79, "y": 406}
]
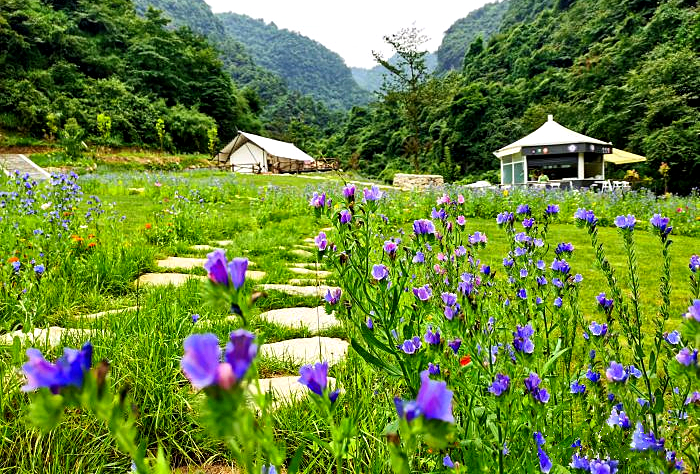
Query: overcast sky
[{"x": 354, "y": 28}]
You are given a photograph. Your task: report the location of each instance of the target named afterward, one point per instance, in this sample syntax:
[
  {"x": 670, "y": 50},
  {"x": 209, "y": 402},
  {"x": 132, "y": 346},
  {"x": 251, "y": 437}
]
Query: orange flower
[
  {"x": 148, "y": 225},
  {"x": 91, "y": 236},
  {"x": 13, "y": 259},
  {"x": 91, "y": 245},
  {"x": 465, "y": 360},
  {"x": 76, "y": 238}
]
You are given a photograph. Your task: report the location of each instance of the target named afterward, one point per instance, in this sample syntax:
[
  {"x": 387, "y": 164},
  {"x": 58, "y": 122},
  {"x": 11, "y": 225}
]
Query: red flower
[
  {"x": 465, "y": 360},
  {"x": 148, "y": 225}
]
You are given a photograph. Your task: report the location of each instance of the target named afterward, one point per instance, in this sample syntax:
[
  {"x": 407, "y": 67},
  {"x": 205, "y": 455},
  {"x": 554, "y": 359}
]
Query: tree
[{"x": 409, "y": 74}]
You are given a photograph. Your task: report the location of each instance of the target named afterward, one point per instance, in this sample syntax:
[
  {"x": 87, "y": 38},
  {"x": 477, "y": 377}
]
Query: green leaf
[
  {"x": 46, "y": 410},
  {"x": 374, "y": 360}
]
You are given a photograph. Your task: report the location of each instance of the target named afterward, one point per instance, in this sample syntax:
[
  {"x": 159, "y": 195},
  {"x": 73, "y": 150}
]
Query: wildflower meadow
[{"x": 482, "y": 331}]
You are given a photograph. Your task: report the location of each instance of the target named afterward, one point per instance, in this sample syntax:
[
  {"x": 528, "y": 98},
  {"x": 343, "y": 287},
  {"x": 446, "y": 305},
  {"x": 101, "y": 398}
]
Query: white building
[{"x": 248, "y": 153}]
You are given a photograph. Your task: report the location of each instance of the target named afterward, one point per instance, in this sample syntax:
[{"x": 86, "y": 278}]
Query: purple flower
[
  {"x": 455, "y": 345},
  {"x": 461, "y": 220},
  {"x": 390, "y": 247},
  {"x": 16, "y": 265},
  {"x": 532, "y": 384},
  {"x": 369, "y": 323},
  {"x": 616, "y": 372},
  {"x": 372, "y": 194},
  {"x": 423, "y": 293},
  {"x": 552, "y": 209},
  {"x": 598, "y": 330},
  {"x": 545, "y": 462},
  {"x": 508, "y": 262},
  {"x": 591, "y": 375},
  {"x": 237, "y": 268},
  {"x": 504, "y": 218},
  {"x": 577, "y": 388},
  {"x": 605, "y": 303},
  {"x": 423, "y": 227},
  {"x": 673, "y": 337},
  {"x": 450, "y": 299},
  {"x": 447, "y": 462},
  {"x": 318, "y": 200},
  {"x": 216, "y": 267},
  {"x": 410, "y": 346},
  {"x": 578, "y": 462},
  {"x": 687, "y": 357},
  {"x": 694, "y": 264},
  {"x": 39, "y": 269},
  {"x": 68, "y": 370},
  {"x": 693, "y": 311},
  {"x": 661, "y": 224},
  {"x": 333, "y": 297},
  {"x": 523, "y": 273},
  {"x": 500, "y": 385},
  {"x": 432, "y": 337},
  {"x": 433, "y": 369},
  {"x": 478, "y": 238},
  {"x": 603, "y": 466},
  {"x": 585, "y": 217},
  {"x": 523, "y": 209},
  {"x": 521, "y": 339},
  {"x": 321, "y": 241},
  {"x": 528, "y": 223},
  {"x": 564, "y": 248},
  {"x": 195, "y": 318},
  {"x": 315, "y": 377},
  {"x": 522, "y": 293},
  {"x": 625, "y": 222},
  {"x": 539, "y": 439},
  {"x": 419, "y": 257},
  {"x": 200, "y": 363},
  {"x": 561, "y": 266},
  {"x": 345, "y": 216},
  {"x": 349, "y": 191},
  {"x": 240, "y": 352},
  {"x": 642, "y": 441},
  {"x": 379, "y": 272},
  {"x": 557, "y": 302},
  {"x": 407, "y": 409},
  {"x": 633, "y": 371},
  {"x": 439, "y": 214},
  {"x": 619, "y": 418},
  {"x": 434, "y": 400}
]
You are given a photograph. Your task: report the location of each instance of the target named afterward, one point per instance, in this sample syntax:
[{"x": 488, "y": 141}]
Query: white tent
[{"x": 249, "y": 153}]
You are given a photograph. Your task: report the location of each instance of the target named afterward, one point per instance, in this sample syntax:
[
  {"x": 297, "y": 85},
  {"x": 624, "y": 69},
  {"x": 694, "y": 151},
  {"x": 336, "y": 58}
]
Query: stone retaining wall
[{"x": 417, "y": 181}]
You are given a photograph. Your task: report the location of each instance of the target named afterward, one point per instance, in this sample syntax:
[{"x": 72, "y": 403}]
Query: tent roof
[
  {"x": 276, "y": 148},
  {"x": 550, "y": 133},
  {"x": 621, "y": 157}
]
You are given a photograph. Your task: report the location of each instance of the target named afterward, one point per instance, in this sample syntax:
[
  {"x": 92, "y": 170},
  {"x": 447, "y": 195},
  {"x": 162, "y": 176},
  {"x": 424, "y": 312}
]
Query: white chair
[{"x": 606, "y": 186}]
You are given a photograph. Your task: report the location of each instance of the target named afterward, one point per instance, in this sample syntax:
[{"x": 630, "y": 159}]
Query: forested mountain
[
  {"x": 306, "y": 65},
  {"x": 625, "y": 72},
  {"x": 480, "y": 23},
  {"x": 372, "y": 79},
  {"x": 77, "y": 59}
]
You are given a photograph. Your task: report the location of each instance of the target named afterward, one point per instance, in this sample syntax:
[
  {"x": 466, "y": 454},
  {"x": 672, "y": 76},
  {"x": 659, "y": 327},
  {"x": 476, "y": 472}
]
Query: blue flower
[
  {"x": 564, "y": 248},
  {"x": 625, "y": 222},
  {"x": 693, "y": 311},
  {"x": 333, "y": 297},
  {"x": 687, "y": 357},
  {"x": 419, "y": 257},
  {"x": 423, "y": 227},
  {"x": 237, "y": 268},
  {"x": 545, "y": 462},
  {"x": 318, "y": 200},
  {"x": 349, "y": 191},
  {"x": 438, "y": 214},
  {"x": 694, "y": 264},
  {"x": 577, "y": 388},
  {"x": 598, "y": 330},
  {"x": 619, "y": 418},
  {"x": 447, "y": 462},
  {"x": 561, "y": 266},
  {"x": 39, "y": 269},
  {"x": 434, "y": 401},
  {"x": 455, "y": 345},
  {"x": 523, "y": 209},
  {"x": 603, "y": 466},
  {"x": 504, "y": 218},
  {"x": 68, "y": 370},
  {"x": 410, "y": 346},
  {"x": 586, "y": 218},
  {"x": 200, "y": 363},
  {"x": 433, "y": 369},
  {"x": 379, "y": 272},
  {"x": 522, "y": 293},
  {"x": 195, "y": 318},
  {"x": 532, "y": 384},
  {"x": 604, "y": 303},
  {"x": 321, "y": 241},
  {"x": 557, "y": 302},
  {"x": 521, "y": 339},
  {"x": 240, "y": 351},
  {"x": 661, "y": 224},
  {"x": 616, "y": 372},
  {"x": 315, "y": 378},
  {"x": 369, "y": 323},
  {"x": 431, "y": 337},
  {"x": 642, "y": 441},
  {"x": 423, "y": 293},
  {"x": 216, "y": 267},
  {"x": 345, "y": 216},
  {"x": 579, "y": 462},
  {"x": 552, "y": 209},
  {"x": 372, "y": 194},
  {"x": 528, "y": 223},
  {"x": 500, "y": 385},
  {"x": 673, "y": 337}
]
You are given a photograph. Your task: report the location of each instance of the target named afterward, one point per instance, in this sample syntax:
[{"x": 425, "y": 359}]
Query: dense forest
[
  {"x": 306, "y": 65},
  {"x": 625, "y": 72},
  {"x": 372, "y": 79}
]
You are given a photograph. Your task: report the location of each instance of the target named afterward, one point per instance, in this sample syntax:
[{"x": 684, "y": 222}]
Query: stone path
[
  {"x": 205, "y": 247},
  {"x": 308, "y": 271},
  {"x": 301, "y": 253},
  {"x": 314, "y": 319},
  {"x": 319, "y": 291},
  {"x": 187, "y": 263},
  {"x": 130, "y": 309},
  {"x": 164, "y": 279},
  {"x": 287, "y": 389},
  {"x": 50, "y": 336},
  {"x": 307, "y": 350}
]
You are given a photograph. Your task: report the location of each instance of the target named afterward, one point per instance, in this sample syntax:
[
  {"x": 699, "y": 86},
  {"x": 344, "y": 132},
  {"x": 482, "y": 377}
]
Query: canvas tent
[{"x": 249, "y": 153}]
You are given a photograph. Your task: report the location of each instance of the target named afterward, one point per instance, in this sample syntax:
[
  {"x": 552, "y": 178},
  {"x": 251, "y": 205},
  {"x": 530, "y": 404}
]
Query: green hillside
[
  {"x": 306, "y": 65},
  {"x": 373, "y": 78},
  {"x": 480, "y": 23},
  {"x": 625, "y": 72}
]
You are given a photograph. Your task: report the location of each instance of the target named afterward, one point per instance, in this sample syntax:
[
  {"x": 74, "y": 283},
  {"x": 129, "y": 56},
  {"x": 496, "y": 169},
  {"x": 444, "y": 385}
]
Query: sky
[{"x": 355, "y": 28}]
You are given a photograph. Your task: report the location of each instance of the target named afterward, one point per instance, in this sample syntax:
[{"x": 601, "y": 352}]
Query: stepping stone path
[
  {"x": 319, "y": 291},
  {"x": 130, "y": 309},
  {"x": 301, "y": 253},
  {"x": 51, "y": 336},
  {"x": 315, "y": 319},
  {"x": 224, "y": 243},
  {"x": 287, "y": 389},
  {"x": 307, "y": 350},
  {"x": 182, "y": 262},
  {"x": 164, "y": 279},
  {"x": 207, "y": 248},
  {"x": 308, "y": 271}
]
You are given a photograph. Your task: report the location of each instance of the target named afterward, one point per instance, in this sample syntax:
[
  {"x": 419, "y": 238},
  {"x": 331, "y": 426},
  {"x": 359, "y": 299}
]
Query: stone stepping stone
[
  {"x": 187, "y": 263},
  {"x": 308, "y": 271},
  {"x": 255, "y": 274},
  {"x": 224, "y": 243},
  {"x": 309, "y": 240},
  {"x": 327, "y": 229},
  {"x": 130, "y": 309},
  {"x": 205, "y": 247},
  {"x": 315, "y": 319},
  {"x": 164, "y": 279},
  {"x": 50, "y": 336},
  {"x": 287, "y": 389},
  {"x": 319, "y": 291},
  {"x": 307, "y": 350},
  {"x": 301, "y": 253}
]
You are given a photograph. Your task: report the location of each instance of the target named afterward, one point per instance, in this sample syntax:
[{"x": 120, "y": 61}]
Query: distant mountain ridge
[
  {"x": 306, "y": 65},
  {"x": 372, "y": 79}
]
